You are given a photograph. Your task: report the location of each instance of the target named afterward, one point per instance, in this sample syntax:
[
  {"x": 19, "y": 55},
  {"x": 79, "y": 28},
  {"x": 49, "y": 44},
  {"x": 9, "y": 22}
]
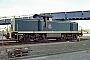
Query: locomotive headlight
[
  {"x": 12, "y": 53},
  {"x": 26, "y": 48},
  {"x": 9, "y": 50}
]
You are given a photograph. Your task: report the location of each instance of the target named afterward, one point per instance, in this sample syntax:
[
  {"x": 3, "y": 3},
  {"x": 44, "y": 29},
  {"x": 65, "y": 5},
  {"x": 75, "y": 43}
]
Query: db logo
[{"x": 49, "y": 26}]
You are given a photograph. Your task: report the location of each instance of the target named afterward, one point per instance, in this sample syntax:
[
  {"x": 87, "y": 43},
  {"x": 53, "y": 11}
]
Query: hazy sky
[
  {"x": 16, "y": 7},
  {"x": 24, "y": 7}
]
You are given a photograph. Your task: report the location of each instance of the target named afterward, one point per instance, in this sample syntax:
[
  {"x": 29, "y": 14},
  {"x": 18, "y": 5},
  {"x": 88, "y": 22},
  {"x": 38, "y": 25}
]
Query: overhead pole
[{"x": 2, "y": 38}]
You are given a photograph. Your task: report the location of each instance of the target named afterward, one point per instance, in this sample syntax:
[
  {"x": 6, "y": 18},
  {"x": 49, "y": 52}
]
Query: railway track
[
  {"x": 48, "y": 54},
  {"x": 14, "y": 42},
  {"x": 54, "y": 49},
  {"x": 43, "y": 54}
]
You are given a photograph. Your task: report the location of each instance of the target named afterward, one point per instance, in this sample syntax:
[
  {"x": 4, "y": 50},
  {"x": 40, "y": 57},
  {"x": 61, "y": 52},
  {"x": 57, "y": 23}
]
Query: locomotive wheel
[{"x": 42, "y": 38}]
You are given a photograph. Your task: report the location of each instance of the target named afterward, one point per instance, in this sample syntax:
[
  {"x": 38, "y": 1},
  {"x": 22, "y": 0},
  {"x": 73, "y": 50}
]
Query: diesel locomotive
[{"x": 41, "y": 28}]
